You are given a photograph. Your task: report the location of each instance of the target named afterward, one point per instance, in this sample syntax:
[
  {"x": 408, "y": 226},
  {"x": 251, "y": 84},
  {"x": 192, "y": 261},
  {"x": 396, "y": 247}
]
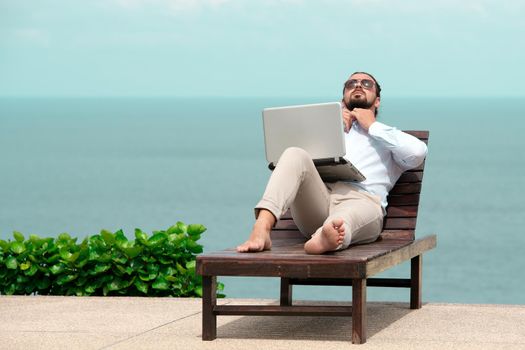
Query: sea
[{"x": 79, "y": 165}]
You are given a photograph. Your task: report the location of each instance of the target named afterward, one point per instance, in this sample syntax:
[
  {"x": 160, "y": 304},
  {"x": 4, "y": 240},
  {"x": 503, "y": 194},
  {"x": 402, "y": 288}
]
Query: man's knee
[{"x": 294, "y": 154}]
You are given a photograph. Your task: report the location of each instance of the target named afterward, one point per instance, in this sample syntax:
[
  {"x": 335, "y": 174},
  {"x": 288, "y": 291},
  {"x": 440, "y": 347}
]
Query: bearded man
[{"x": 334, "y": 215}]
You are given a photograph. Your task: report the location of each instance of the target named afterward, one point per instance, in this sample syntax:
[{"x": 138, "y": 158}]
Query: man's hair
[{"x": 378, "y": 87}]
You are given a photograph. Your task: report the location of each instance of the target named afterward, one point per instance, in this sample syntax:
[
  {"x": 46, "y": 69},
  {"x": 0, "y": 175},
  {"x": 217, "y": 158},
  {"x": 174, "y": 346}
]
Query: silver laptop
[{"x": 316, "y": 128}]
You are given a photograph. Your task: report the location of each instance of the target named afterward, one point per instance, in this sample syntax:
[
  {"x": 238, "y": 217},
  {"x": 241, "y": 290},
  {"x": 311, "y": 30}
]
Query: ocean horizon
[{"x": 79, "y": 165}]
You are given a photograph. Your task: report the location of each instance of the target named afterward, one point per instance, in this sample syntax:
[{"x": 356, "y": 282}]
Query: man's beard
[{"x": 359, "y": 103}]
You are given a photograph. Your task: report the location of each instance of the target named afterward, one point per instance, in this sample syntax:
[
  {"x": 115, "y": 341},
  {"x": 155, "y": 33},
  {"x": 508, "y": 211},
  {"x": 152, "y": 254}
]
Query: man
[{"x": 334, "y": 215}]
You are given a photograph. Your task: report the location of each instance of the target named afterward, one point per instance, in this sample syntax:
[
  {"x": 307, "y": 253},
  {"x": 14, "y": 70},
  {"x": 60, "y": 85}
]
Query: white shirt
[{"x": 382, "y": 154}]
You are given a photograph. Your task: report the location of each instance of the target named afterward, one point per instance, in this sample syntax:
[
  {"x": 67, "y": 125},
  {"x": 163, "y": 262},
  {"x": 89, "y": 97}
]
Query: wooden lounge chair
[{"x": 351, "y": 267}]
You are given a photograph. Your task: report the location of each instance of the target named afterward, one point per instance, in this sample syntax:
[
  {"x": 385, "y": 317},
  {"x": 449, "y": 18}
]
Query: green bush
[{"x": 162, "y": 264}]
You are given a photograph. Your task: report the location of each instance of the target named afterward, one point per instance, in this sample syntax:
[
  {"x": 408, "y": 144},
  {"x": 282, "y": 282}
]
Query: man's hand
[
  {"x": 348, "y": 118},
  {"x": 365, "y": 117}
]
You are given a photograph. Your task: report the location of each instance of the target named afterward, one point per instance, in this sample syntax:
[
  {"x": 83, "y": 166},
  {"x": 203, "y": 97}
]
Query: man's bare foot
[
  {"x": 259, "y": 239},
  {"x": 330, "y": 238}
]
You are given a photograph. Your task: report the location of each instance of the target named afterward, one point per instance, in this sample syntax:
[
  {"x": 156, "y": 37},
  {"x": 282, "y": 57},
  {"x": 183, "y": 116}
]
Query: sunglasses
[{"x": 366, "y": 83}]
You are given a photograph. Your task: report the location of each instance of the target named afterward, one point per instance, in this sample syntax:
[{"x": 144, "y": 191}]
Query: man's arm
[{"x": 408, "y": 151}]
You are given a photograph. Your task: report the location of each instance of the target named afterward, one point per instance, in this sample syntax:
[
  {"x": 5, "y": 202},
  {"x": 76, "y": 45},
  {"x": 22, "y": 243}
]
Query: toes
[{"x": 337, "y": 223}]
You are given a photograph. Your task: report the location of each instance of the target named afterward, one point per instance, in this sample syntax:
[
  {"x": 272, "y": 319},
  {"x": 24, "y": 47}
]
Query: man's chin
[{"x": 358, "y": 103}]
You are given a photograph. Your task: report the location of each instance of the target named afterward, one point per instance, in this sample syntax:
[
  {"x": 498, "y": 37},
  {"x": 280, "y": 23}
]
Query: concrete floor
[{"x": 47, "y": 322}]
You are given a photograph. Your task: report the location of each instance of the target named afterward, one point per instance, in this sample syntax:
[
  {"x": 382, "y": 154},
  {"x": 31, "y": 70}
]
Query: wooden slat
[
  {"x": 283, "y": 234},
  {"x": 291, "y": 261},
  {"x": 417, "y": 247},
  {"x": 398, "y": 234},
  {"x": 371, "y": 282},
  {"x": 420, "y": 134},
  {"x": 278, "y": 310},
  {"x": 399, "y": 223},
  {"x": 287, "y": 215},
  {"x": 411, "y": 176},
  {"x": 406, "y": 188},
  {"x": 285, "y": 224},
  {"x": 402, "y": 212},
  {"x": 406, "y": 199}
]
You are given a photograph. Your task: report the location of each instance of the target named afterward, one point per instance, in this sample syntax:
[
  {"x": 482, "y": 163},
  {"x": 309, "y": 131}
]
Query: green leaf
[
  {"x": 25, "y": 265},
  {"x": 175, "y": 230},
  {"x": 53, "y": 258},
  {"x": 180, "y": 225},
  {"x": 43, "y": 283},
  {"x": 64, "y": 237},
  {"x": 11, "y": 263},
  {"x": 141, "y": 286},
  {"x": 168, "y": 271},
  {"x": 152, "y": 268},
  {"x": 165, "y": 261},
  {"x": 120, "y": 238},
  {"x": 4, "y": 245},
  {"x": 104, "y": 258},
  {"x": 58, "y": 268},
  {"x": 63, "y": 279},
  {"x": 195, "y": 229},
  {"x": 31, "y": 271},
  {"x": 194, "y": 247},
  {"x": 198, "y": 291},
  {"x": 35, "y": 239},
  {"x": 133, "y": 251},
  {"x": 11, "y": 289},
  {"x": 172, "y": 278},
  {"x": 99, "y": 268},
  {"x": 116, "y": 284},
  {"x": 17, "y": 247},
  {"x": 119, "y": 258},
  {"x": 18, "y": 236},
  {"x": 190, "y": 265},
  {"x": 141, "y": 236},
  {"x": 90, "y": 288},
  {"x": 120, "y": 268},
  {"x": 147, "y": 276},
  {"x": 180, "y": 268},
  {"x": 21, "y": 279},
  {"x": 108, "y": 237},
  {"x": 157, "y": 239},
  {"x": 161, "y": 284},
  {"x": 67, "y": 255},
  {"x": 93, "y": 253}
]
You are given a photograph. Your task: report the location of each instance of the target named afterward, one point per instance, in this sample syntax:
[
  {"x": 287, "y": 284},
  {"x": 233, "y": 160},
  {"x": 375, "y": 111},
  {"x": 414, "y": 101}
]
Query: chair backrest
[
  {"x": 403, "y": 204},
  {"x": 403, "y": 200}
]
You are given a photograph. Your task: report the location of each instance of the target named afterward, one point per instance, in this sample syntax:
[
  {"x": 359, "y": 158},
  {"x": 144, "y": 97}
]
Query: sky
[{"x": 236, "y": 48}]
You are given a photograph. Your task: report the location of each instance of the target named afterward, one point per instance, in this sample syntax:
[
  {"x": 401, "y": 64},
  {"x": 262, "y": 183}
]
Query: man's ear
[{"x": 377, "y": 102}]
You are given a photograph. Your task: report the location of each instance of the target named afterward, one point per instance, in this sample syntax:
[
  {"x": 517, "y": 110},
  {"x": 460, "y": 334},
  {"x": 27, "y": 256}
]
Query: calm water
[{"x": 80, "y": 165}]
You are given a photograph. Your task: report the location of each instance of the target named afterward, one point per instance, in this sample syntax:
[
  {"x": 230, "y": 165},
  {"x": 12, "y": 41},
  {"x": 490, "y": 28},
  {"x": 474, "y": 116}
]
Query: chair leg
[
  {"x": 209, "y": 301},
  {"x": 416, "y": 265},
  {"x": 286, "y": 292},
  {"x": 359, "y": 311}
]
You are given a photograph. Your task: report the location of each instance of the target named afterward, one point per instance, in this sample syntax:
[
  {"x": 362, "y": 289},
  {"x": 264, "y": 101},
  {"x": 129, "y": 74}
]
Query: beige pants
[{"x": 296, "y": 184}]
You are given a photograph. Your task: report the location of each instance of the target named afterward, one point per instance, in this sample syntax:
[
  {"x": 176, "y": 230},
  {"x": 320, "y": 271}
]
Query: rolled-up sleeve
[{"x": 408, "y": 151}]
